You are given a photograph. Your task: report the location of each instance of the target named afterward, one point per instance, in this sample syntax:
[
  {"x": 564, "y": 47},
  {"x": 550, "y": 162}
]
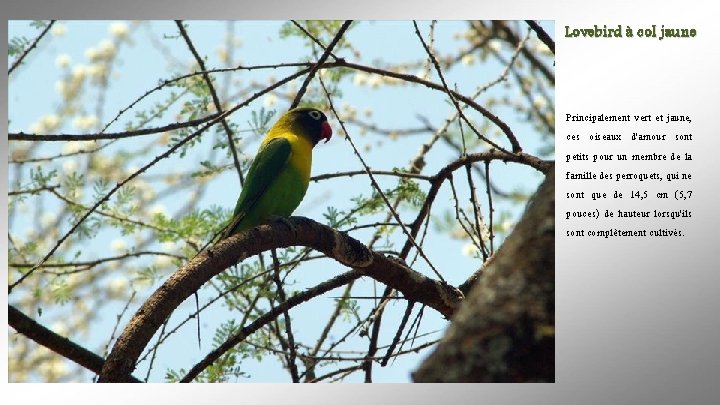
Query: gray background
[{"x": 637, "y": 319}]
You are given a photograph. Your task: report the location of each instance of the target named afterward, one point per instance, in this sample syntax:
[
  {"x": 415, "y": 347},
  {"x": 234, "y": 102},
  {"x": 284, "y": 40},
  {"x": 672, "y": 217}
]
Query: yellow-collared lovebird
[{"x": 280, "y": 173}]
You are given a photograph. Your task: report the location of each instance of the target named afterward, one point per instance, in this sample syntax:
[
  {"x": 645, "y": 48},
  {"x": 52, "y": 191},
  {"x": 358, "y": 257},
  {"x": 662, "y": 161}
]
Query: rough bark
[{"x": 504, "y": 331}]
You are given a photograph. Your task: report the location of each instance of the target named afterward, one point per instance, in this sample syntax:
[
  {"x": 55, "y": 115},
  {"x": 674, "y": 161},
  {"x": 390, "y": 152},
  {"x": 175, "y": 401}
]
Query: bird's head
[{"x": 310, "y": 122}]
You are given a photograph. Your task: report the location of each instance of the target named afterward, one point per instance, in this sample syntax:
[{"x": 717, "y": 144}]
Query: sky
[{"x": 34, "y": 95}]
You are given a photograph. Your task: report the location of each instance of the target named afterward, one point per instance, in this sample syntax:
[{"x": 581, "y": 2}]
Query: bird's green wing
[{"x": 264, "y": 170}]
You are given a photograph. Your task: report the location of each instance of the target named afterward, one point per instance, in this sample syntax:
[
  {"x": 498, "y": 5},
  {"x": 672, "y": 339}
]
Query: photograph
[{"x": 281, "y": 201}]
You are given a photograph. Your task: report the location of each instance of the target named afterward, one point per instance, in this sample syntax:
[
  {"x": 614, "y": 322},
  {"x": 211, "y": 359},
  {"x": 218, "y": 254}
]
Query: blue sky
[{"x": 33, "y": 95}]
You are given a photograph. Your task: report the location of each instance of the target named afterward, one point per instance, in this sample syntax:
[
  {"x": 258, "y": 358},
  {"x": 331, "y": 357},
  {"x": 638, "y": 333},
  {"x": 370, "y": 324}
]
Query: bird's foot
[{"x": 285, "y": 221}]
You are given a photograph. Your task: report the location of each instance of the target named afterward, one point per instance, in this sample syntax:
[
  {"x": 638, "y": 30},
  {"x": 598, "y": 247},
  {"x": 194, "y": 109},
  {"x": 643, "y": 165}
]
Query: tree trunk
[{"x": 505, "y": 330}]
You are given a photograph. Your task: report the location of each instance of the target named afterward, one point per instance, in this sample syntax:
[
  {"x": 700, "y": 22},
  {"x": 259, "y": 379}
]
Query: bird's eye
[{"x": 316, "y": 115}]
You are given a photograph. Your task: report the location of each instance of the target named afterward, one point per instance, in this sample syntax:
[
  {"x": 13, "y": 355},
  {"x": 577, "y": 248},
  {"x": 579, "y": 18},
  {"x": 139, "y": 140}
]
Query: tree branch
[
  {"x": 536, "y": 163},
  {"x": 511, "y": 137},
  {"x": 305, "y": 232},
  {"x": 267, "y": 318},
  {"x": 27, "y": 327},
  {"x": 215, "y": 98},
  {"x": 542, "y": 35},
  {"x": 505, "y": 330},
  {"x": 320, "y": 62},
  {"x": 160, "y": 157},
  {"x": 21, "y": 136},
  {"x": 32, "y": 46}
]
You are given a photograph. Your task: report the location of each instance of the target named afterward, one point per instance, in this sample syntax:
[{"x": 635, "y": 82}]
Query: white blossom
[
  {"x": 118, "y": 29},
  {"x": 118, "y": 245},
  {"x": 158, "y": 209},
  {"x": 107, "y": 48},
  {"x": 469, "y": 249},
  {"x": 79, "y": 72},
  {"x": 92, "y": 54},
  {"x": 49, "y": 123},
  {"x": 70, "y": 166},
  {"x": 117, "y": 287},
  {"x": 58, "y": 30},
  {"x": 270, "y": 100},
  {"x": 47, "y": 219},
  {"x": 375, "y": 81},
  {"x": 163, "y": 261},
  {"x": 63, "y": 60},
  {"x": 360, "y": 78}
]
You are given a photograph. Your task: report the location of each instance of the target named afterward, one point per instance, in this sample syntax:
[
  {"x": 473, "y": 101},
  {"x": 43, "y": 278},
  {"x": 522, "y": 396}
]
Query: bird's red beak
[{"x": 325, "y": 131}]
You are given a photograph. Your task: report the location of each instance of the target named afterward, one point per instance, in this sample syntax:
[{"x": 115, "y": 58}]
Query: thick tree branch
[
  {"x": 27, "y": 327},
  {"x": 305, "y": 232},
  {"x": 505, "y": 330}
]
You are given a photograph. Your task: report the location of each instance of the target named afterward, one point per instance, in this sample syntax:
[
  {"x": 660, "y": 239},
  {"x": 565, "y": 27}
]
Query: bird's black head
[{"x": 313, "y": 122}]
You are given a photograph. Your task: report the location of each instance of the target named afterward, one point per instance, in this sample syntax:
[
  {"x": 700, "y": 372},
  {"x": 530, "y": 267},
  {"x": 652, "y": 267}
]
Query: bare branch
[
  {"x": 312, "y": 37},
  {"x": 513, "y": 303},
  {"x": 378, "y": 172},
  {"x": 542, "y": 35},
  {"x": 32, "y": 46},
  {"x": 511, "y": 137},
  {"x": 21, "y": 136},
  {"x": 292, "y": 351},
  {"x": 215, "y": 98},
  {"x": 536, "y": 163},
  {"x": 269, "y": 317},
  {"x": 320, "y": 62},
  {"x": 377, "y": 188}
]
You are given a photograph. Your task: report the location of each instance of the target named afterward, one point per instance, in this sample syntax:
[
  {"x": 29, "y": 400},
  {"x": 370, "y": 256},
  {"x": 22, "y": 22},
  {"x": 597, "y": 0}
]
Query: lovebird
[{"x": 280, "y": 173}]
